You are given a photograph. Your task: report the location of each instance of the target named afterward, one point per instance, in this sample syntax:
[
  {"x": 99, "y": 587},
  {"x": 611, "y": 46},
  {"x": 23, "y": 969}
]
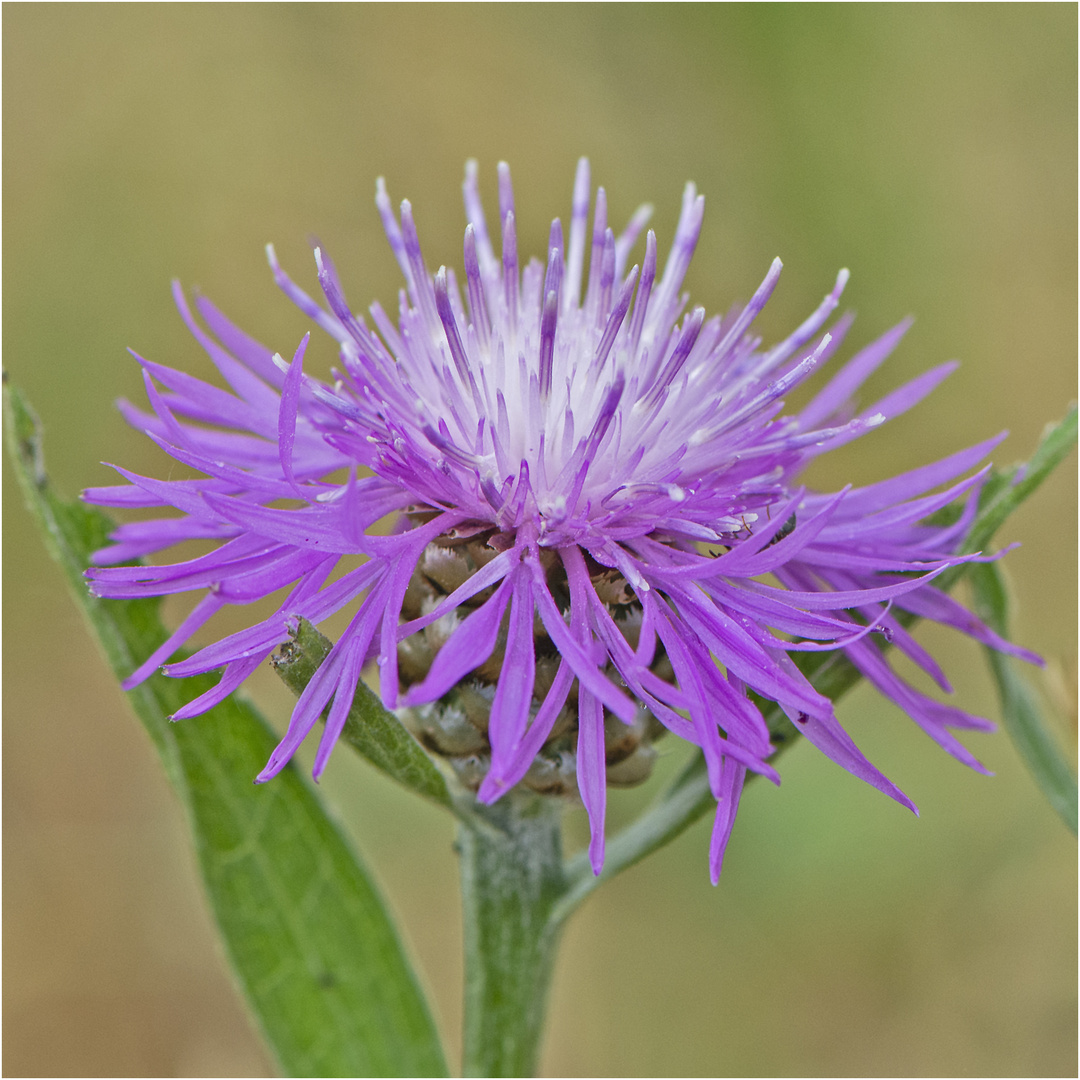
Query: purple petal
[
  {"x": 727, "y": 806},
  {"x": 583, "y": 667},
  {"x": 839, "y": 390},
  {"x": 513, "y": 695},
  {"x": 592, "y": 778},
  {"x": 290, "y": 401},
  {"x": 466, "y": 649},
  {"x": 202, "y": 611}
]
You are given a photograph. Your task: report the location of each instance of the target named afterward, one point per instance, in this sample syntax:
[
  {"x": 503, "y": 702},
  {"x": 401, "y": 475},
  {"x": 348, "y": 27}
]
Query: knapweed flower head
[{"x": 599, "y": 529}]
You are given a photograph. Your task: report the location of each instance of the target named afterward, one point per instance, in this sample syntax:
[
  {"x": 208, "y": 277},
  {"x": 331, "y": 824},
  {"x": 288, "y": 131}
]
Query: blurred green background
[{"x": 933, "y": 150}]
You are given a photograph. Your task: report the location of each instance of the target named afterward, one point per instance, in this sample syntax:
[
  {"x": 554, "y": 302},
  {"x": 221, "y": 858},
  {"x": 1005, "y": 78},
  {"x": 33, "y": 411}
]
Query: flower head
[{"x": 600, "y": 530}]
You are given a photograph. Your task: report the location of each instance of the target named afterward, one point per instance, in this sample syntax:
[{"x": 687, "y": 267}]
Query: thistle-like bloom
[{"x": 599, "y": 533}]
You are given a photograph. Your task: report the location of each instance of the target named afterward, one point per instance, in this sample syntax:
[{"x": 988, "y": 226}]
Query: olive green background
[{"x": 930, "y": 149}]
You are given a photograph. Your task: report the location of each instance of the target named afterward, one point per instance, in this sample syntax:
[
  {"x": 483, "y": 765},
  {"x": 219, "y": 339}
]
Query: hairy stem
[{"x": 511, "y": 878}]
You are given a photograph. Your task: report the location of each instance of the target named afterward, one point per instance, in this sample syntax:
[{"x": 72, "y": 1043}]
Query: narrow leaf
[
  {"x": 370, "y": 729},
  {"x": 1020, "y": 709},
  {"x": 308, "y": 936}
]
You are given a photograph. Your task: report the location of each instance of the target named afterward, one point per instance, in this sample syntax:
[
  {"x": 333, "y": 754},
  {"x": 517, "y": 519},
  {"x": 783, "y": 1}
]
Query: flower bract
[{"x": 598, "y": 529}]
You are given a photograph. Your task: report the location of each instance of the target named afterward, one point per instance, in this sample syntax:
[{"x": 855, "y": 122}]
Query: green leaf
[
  {"x": 1020, "y": 710},
  {"x": 370, "y": 729},
  {"x": 309, "y": 938}
]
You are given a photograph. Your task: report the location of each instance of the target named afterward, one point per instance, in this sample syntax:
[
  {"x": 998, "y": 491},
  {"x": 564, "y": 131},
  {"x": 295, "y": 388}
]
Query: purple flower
[{"x": 600, "y": 531}]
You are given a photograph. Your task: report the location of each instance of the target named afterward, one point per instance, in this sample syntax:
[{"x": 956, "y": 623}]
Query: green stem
[{"x": 511, "y": 878}]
